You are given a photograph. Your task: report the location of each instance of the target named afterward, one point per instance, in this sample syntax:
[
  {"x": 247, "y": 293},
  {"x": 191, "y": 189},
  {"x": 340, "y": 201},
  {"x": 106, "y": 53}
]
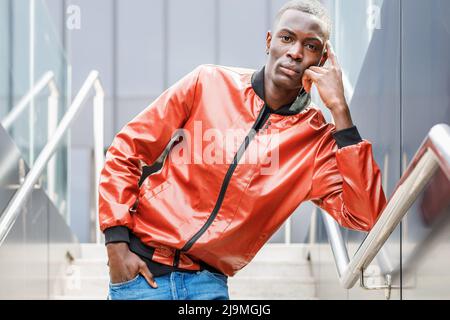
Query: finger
[
  {"x": 307, "y": 84},
  {"x": 312, "y": 75},
  {"x": 307, "y": 81},
  {"x": 318, "y": 69},
  {"x": 331, "y": 54},
  {"x": 143, "y": 269}
]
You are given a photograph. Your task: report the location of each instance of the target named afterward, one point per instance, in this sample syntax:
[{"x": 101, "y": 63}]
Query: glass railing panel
[
  {"x": 50, "y": 55},
  {"x": 5, "y": 58},
  {"x": 34, "y": 47}
]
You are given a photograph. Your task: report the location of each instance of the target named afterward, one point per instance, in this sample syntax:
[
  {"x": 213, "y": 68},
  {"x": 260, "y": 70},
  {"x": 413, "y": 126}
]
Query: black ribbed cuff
[
  {"x": 117, "y": 234},
  {"x": 347, "y": 137}
]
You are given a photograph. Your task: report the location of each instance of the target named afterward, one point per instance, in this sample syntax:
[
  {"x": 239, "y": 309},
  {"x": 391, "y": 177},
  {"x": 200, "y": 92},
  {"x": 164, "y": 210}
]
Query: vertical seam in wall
[
  {"x": 10, "y": 55},
  {"x": 268, "y": 14},
  {"x": 115, "y": 22},
  {"x": 48, "y": 249},
  {"x": 217, "y": 32},
  {"x": 401, "y": 138},
  {"x": 64, "y": 80},
  {"x": 65, "y": 99},
  {"x": 166, "y": 33}
]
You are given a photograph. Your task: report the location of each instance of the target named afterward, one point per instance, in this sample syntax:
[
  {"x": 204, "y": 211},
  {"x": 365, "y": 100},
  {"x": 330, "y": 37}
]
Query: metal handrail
[
  {"x": 13, "y": 209},
  {"x": 433, "y": 153},
  {"x": 47, "y": 80}
]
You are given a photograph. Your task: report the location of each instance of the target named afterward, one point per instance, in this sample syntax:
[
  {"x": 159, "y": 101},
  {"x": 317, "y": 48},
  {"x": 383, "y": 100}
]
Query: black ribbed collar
[{"x": 302, "y": 101}]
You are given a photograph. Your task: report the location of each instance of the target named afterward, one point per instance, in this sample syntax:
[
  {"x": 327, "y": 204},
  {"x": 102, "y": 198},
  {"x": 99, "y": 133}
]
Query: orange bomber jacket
[{"x": 236, "y": 172}]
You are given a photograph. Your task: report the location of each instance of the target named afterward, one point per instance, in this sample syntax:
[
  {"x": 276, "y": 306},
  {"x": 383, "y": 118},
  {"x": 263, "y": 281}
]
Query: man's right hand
[{"x": 124, "y": 265}]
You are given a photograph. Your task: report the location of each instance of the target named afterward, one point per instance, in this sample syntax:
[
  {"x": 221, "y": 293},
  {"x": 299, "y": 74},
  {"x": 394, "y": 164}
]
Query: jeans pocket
[
  {"x": 124, "y": 284},
  {"x": 217, "y": 276}
]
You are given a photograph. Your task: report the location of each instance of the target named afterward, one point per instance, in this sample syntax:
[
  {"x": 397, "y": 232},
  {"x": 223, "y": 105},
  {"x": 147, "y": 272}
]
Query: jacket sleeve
[
  {"x": 346, "y": 180},
  {"x": 142, "y": 139}
]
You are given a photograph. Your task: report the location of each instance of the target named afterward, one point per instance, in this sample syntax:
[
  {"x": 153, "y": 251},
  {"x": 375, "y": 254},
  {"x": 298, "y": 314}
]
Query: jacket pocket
[{"x": 151, "y": 193}]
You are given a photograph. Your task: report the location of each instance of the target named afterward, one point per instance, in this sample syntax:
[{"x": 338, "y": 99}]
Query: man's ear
[{"x": 268, "y": 40}]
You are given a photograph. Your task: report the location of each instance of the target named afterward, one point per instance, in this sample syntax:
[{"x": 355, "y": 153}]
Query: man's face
[{"x": 295, "y": 44}]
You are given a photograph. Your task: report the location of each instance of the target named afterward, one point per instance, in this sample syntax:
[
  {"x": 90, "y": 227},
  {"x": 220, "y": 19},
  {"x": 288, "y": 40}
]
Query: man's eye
[
  {"x": 286, "y": 38},
  {"x": 311, "y": 47}
]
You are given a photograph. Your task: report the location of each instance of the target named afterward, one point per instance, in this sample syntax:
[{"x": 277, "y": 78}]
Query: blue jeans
[{"x": 200, "y": 285}]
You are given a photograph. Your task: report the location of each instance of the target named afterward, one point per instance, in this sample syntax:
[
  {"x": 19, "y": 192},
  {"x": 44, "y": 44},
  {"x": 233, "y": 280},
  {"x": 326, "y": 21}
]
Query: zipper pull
[{"x": 133, "y": 209}]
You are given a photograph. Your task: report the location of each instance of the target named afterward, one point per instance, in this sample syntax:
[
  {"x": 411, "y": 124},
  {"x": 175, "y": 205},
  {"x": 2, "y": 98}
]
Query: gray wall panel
[
  {"x": 12, "y": 262},
  {"x": 91, "y": 47},
  {"x": 129, "y": 107},
  {"x": 36, "y": 246},
  {"x": 140, "y": 48},
  {"x": 191, "y": 33},
  {"x": 243, "y": 29},
  {"x": 140, "y": 57}
]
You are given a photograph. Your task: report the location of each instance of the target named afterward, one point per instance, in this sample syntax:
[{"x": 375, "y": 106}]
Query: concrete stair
[{"x": 278, "y": 271}]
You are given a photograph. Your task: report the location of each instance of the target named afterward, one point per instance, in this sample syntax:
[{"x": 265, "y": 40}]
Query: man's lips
[{"x": 291, "y": 71}]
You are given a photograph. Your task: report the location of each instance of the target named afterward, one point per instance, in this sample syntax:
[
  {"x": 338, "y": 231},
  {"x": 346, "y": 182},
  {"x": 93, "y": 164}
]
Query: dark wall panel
[{"x": 425, "y": 103}]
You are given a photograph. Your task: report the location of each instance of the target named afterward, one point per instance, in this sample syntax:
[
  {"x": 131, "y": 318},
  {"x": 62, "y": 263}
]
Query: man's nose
[{"x": 296, "y": 52}]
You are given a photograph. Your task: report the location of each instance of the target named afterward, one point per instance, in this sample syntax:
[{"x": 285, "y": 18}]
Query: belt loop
[{"x": 176, "y": 259}]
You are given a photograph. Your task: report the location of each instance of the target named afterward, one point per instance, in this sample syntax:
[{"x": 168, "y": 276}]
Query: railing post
[
  {"x": 52, "y": 124},
  {"x": 287, "y": 231},
  {"x": 313, "y": 227},
  {"x": 99, "y": 105}
]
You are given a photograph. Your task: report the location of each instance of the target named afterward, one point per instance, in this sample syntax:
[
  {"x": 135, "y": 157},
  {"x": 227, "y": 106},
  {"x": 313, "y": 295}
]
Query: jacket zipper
[{"x": 259, "y": 123}]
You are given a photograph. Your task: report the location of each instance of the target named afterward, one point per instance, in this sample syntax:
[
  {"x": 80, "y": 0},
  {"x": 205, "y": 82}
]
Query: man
[{"x": 195, "y": 222}]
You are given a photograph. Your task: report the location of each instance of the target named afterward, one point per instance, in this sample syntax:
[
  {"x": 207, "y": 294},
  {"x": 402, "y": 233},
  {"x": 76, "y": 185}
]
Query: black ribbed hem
[
  {"x": 117, "y": 234},
  {"x": 347, "y": 137},
  {"x": 123, "y": 234},
  {"x": 158, "y": 269}
]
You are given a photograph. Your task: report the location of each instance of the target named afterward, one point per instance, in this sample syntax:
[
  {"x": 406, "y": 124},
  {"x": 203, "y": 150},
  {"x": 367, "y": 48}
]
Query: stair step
[
  {"x": 239, "y": 288},
  {"x": 281, "y": 252},
  {"x": 262, "y": 269},
  {"x": 271, "y": 298},
  {"x": 272, "y": 288},
  {"x": 269, "y": 252},
  {"x": 256, "y": 269},
  {"x": 88, "y": 269},
  {"x": 278, "y": 271},
  {"x": 88, "y": 287},
  {"x": 80, "y": 297},
  {"x": 94, "y": 251}
]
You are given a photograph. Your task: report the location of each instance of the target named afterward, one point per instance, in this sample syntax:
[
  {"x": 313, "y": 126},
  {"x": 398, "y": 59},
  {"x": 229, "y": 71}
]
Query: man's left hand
[{"x": 328, "y": 81}]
